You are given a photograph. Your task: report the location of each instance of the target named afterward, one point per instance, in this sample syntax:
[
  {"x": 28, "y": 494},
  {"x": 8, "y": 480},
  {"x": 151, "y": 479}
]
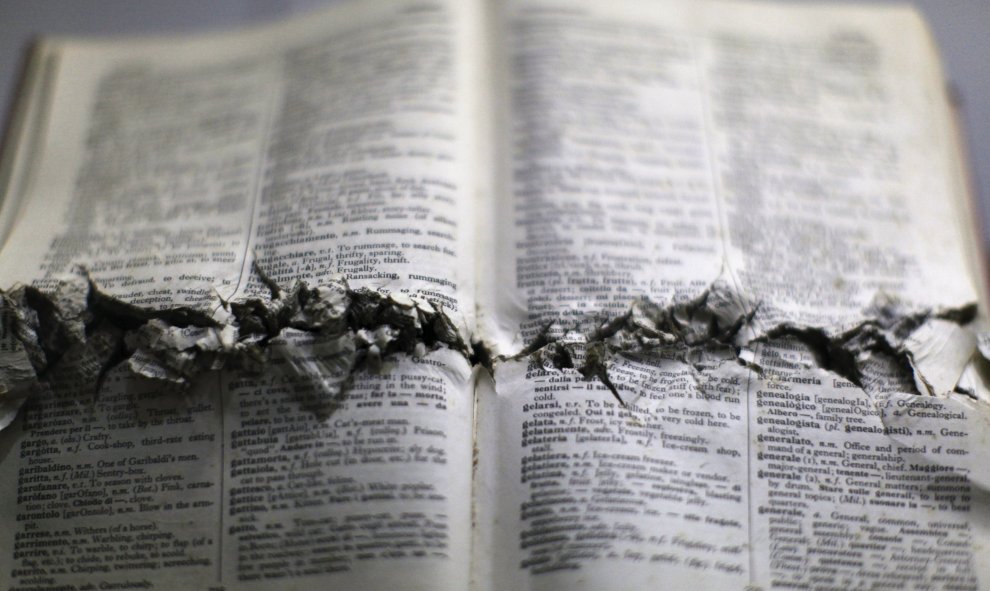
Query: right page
[
  {"x": 714, "y": 475},
  {"x": 336, "y": 147},
  {"x": 801, "y": 156},
  {"x": 733, "y": 286}
]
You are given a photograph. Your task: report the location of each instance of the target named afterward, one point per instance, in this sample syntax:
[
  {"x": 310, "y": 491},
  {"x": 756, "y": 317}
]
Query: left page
[
  {"x": 243, "y": 483},
  {"x": 286, "y": 203},
  {"x": 177, "y": 176}
]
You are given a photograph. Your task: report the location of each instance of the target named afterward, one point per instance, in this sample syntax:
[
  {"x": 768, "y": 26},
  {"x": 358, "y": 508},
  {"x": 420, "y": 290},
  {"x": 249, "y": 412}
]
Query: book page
[
  {"x": 735, "y": 292},
  {"x": 246, "y": 482},
  {"x": 799, "y": 156},
  {"x": 198, "y": 181},
  {"x": 715, "y": 475},
  {"x": 269, "y": 223},
  {"x": 174, "y": 157}
]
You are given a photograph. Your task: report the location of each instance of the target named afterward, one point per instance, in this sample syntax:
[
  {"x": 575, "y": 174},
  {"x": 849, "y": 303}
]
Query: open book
[{"x": 526, "y": 295}]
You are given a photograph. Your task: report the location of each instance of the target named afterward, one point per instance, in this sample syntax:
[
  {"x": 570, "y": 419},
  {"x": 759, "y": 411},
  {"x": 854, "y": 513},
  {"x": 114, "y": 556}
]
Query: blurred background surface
[{"x": 962, "y": 28}]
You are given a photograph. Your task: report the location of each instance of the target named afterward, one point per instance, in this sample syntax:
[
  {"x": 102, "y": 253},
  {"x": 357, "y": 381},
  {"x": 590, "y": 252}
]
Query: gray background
[{"x": 962, "y": 28}]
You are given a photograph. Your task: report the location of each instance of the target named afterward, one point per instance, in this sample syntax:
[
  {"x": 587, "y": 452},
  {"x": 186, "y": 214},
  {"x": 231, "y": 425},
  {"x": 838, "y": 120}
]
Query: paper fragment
[
  {"x": 78, "y": 333},
  {"x": 939, "y": 351},
  {"x": 892, "y": 350}
]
